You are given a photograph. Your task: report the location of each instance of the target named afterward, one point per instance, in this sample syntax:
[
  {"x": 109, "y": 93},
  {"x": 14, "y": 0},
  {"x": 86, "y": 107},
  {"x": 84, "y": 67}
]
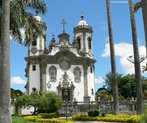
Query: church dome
[{"x": 82, "y": 22}]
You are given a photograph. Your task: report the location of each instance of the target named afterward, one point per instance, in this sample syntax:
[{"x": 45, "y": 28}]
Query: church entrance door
[{"x": 66, "y": 94}]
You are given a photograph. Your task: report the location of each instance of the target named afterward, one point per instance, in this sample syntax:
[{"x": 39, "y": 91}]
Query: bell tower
[
  {"x": 83, "y": 37},
  {"x": 36, "y": 68},
  {"x": 38, "y": 41}
]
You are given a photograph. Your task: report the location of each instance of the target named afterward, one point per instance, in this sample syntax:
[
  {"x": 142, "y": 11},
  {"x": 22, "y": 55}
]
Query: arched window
[
  {"x": 34, "y": 42},
  {"x": 89, "y": 42},
  {"x": 79, "y": 42},
  {"x": 77, "y": 74},
  {"x": 53, "y": 73}
]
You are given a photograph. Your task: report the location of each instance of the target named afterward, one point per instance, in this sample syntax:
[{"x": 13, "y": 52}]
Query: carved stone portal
[{"x": 66, "y": 88}]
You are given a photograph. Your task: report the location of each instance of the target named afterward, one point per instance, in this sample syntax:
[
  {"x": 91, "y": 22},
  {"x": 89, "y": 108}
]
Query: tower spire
[
  {"x": 64, "y": 23},
  {"x": 82, "y": 16}
]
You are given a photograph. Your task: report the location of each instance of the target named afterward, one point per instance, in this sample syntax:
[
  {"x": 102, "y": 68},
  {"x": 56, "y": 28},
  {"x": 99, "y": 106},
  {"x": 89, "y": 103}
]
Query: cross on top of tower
[{"x": 63, "y": 22}]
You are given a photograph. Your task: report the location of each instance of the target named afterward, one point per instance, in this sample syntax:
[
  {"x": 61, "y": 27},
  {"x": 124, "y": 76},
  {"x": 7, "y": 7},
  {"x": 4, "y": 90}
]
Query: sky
[{"x": 95, "y": 14}]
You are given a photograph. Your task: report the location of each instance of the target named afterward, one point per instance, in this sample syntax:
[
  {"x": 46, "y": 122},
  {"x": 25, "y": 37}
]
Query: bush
[
  {"x": 46, "y": 115},
  {"x": 43, "y": 102},
  {"x": 144, "y": 116},
  {"x": 93, "y": 113},
  {"x": 39, "y": 119},
  {"x": 109, "y": 118}
]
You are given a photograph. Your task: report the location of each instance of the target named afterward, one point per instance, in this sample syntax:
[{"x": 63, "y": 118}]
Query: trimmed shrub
[
  {"x": 93, "y": 113},
  {"x": 109, "y": 118},
  {"x": 39, "y": 119},
  {"x": 48, "y": 115}
]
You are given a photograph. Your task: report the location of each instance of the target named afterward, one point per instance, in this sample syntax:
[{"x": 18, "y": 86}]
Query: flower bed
[
  {"x": 39, "y": 119},
  {"x": 109, "y": 118}
]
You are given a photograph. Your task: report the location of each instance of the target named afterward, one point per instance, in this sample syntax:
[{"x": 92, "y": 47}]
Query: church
[{"x": 65, "y": 67}]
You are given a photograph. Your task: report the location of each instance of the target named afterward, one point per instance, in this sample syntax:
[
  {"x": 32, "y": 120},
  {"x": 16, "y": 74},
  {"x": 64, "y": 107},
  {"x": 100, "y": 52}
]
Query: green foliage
[
  {"x": 103, "y": 94},
  {"x": 144, "y": 87},
  {"x": 93, "y": 113},
  {"x": 42, "y": 102},
  {"x": 137, "y": 6},
  {"x": 109, "y": 118},
  {"x": 50, "y": 103},
  {"x": 144, "y": 116},
  {"x": 48, "y": 115},
  {"x": 83, "y": 117},
  {"x": 15, "y": 93},
  {"x": 126, "y": 85},
  {"x": 39, "y": 119}
]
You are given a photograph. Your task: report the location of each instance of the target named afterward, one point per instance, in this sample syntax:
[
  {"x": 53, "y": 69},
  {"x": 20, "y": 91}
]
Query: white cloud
[
  {"x": 124, "y": 50},
  {"x": 17, "y": 80},
  {"x": 99, "y": 80}
]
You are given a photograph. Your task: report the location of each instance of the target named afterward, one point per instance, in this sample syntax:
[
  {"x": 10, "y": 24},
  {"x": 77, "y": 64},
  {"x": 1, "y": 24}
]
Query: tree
[
  {"x": 136, "y": 61},
  {"x": 112, "y": 54},
  {"x": 14, "y": 22},
  {"x": 5, "y": 112},
  {"x": 126, "y": 85},
  {"x": 143, "y": 5},
  {"x": 42, "y": 102},
  {"x": 15, "y": 93},
  {"x": 50, "y": 103},
  {"x": 23, "y": 19},
  {"x": 103, "y": 94},
  {"x": 144, "y": 87}
]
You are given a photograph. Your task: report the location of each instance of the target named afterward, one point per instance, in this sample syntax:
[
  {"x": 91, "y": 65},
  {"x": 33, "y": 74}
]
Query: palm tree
[
  {"x": 21, "y": 18},
  {"x": 143, "y": 5},
  {"x": 5, "y": 114},
  {"x": 113, "y": 66},
  {"x": 136, "y": 61},
  {"x": 24, "y": 18}
]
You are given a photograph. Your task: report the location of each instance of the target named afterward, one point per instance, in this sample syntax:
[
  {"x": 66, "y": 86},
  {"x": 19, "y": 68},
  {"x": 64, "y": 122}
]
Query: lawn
[{"x": 19, "y": 119}]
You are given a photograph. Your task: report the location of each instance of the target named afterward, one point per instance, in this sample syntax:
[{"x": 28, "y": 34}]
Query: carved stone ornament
[
  {"x": 64, "y": 64},
  {"x": 34, "y": 50}
]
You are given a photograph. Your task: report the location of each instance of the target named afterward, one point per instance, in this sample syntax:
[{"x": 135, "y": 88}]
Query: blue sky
[{"x": 95, "y": 14}]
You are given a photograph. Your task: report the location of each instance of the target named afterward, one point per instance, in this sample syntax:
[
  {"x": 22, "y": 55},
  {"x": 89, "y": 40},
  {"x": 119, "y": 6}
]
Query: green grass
[{"x": 19, "y": 119}]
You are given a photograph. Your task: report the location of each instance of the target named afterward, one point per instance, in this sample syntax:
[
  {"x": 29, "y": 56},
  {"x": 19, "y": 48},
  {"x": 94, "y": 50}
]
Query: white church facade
[{"x": 63, "y": 67}]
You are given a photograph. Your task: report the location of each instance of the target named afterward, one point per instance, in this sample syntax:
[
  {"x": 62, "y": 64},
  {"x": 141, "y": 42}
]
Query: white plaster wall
[
  {"x": 26, "y": 111},
  {"x": 91, "y": 84},
  {"x": 40, "y": 46},
  {"x": 12, "y": 109},
  {"x": 34, "y": 80},
  {"x": 74, "y": 50},
  {"x": 79, "y": 86},
  {"x": 54, "y": 50}
]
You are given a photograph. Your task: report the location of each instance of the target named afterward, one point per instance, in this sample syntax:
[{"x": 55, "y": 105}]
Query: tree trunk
[
  {"x": 5, "y": 112},
  {"x": 113, "y": 66},
  {"x": 136, "y": 61},
  {"x": 144, "y": 13}
]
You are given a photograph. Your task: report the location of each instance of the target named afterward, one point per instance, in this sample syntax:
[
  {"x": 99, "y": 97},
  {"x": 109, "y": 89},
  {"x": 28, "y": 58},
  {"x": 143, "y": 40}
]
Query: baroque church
[{"x": 65, "y": 66}]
